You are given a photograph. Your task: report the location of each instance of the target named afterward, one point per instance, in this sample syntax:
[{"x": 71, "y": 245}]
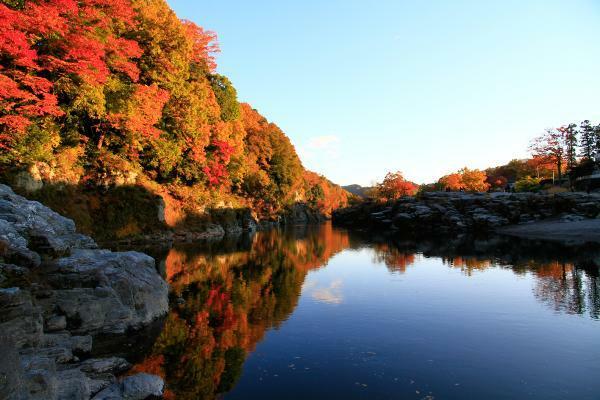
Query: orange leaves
[
  {"x": 204, "y": 44},
  {"x": 148, "y": 102},
  {"x": 11, "y": 94},
  {"x": 143, "y": 113},
  {"x": 322, "y": 194},
  {"x": 251, "y": 119},
  {"x": 15, "y": 127},
  {"x": 472, "y": 180},
  {"x": 395, "y": 186},
  {"x": 451, "y": 182},
  {"x": 120, "y": 53},
  {"x": 70, "y": 33},
  {"x": 19, "y": 103}
]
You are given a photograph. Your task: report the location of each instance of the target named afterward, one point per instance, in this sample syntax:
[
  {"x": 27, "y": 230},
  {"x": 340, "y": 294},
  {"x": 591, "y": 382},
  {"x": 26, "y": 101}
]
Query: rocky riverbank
[
  {"x": 131, "y": 210},
  {"x": 58, "y": 294},
  {"x": 443, "y": 213},
  {"x": 241, "y": 222}
]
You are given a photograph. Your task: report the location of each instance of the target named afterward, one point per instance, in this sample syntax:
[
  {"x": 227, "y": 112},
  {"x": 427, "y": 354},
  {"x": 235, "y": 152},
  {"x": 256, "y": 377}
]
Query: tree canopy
[{"x": 131, "y": 86}]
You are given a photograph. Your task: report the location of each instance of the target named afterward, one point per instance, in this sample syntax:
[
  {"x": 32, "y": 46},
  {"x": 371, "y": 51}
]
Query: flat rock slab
[{"x": 574, "y": 232}]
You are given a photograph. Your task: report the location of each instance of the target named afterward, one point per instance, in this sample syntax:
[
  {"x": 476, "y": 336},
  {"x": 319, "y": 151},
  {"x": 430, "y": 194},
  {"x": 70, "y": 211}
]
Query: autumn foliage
[
  {"x": 395, "y": 186},
  {"x": 471, "y": 180},
  {"x": 130, "y": 85}
]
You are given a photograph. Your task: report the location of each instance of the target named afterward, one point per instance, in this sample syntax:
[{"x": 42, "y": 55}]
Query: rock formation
[
  {"x": 456, "y": 212},
  {"x": 58, "y": 292}
]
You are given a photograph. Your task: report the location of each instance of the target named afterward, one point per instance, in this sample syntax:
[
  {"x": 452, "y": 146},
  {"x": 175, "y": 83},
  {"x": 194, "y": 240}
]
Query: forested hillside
[{"x": 99, "y": 95}]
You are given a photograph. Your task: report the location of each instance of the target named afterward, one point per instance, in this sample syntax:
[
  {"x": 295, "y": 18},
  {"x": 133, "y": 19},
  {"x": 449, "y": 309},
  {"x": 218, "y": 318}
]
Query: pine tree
[
  {"x": 597, "y": 140},
  {"x": 588, "y": 140},
  {"x": 569, "y": 137}
]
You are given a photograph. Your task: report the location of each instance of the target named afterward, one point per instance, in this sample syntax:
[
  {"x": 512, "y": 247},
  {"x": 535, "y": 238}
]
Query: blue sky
[{"x": 424, "y": 87}]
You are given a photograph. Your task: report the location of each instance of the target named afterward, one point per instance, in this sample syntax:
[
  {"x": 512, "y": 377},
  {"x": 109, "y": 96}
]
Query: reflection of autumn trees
[
  {"x": 392, "y": 257},
  {"x": 569, "y": 289},
  {"x": 225, "y": 296},
  {"x": 468, "y": 265},
  {"x": 225, "y": 302},
  {"x": 564, "y": 286}
]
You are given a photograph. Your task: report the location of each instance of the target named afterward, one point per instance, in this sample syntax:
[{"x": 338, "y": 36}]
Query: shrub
[{"x": 528, "y": 184}]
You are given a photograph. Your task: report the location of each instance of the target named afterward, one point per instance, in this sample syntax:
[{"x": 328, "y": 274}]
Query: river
[{"x": 317, "y": 312}]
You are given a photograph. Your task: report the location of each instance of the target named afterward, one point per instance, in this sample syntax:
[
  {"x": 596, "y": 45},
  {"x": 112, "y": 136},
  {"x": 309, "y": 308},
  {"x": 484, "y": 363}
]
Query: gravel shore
[{"x": 573, "y": 232}]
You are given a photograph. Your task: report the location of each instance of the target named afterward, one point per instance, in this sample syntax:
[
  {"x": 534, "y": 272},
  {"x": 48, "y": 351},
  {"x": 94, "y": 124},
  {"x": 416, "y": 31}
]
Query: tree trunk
[{"x": 101, "y": 141}]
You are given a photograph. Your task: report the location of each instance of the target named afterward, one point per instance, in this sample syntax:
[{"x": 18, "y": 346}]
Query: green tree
[
  {"x": 226, "y": 97},
  {"x": 588, "y": 140},
  {"x": 569, "y": 137}
]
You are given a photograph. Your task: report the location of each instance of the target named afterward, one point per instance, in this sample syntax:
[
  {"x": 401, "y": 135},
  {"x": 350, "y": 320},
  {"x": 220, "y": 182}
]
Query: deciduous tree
[
  {"x": 395, "y": 186},
  {"x": 551, "y": 147}
]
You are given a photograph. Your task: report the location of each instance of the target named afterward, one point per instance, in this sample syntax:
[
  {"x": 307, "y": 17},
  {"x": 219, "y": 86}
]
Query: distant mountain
[{"x": 357, "y": 190}]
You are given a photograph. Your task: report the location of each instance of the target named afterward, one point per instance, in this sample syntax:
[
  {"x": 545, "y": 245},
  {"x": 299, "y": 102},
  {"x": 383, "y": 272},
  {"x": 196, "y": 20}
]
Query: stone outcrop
[
  {"x": 136, "y": 387},
  {"x": 450, "y": 213},
  {"x": 301, "y": 214},
  {"x": 224, "y": 223},
  {"x": 57, "y": 292}
]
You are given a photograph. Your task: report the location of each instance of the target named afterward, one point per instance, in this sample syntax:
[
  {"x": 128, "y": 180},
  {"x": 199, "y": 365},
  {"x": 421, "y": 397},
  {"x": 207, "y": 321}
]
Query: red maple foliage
[
  {"x": 53, "y": 39},
  {"x": 216, "y": 168},
  {"x": 395, "y": 186},
  {"x": 204, "y": 44}
]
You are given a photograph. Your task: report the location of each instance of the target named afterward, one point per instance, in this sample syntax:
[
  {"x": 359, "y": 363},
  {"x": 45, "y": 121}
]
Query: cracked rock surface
[{"x": 58, "y": 292}]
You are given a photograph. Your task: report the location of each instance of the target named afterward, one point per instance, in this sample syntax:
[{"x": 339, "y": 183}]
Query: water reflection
[
  {"x": 567, "y": 279},
  {"x": 227, "y": 295},
  {"x": 566, "y": 288},
  {"x": 331, "y": 294}
]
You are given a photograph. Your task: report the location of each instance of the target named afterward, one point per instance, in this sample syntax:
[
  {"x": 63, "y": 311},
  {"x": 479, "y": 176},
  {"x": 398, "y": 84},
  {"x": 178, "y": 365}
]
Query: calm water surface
[{"x": 318, "y": 313}]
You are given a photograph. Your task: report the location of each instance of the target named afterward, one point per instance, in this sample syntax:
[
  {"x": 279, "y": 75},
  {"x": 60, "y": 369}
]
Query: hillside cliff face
[{"x": 98, "y": 95}]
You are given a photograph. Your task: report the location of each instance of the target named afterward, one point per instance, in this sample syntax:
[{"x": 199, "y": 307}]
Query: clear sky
[{"x": 424, "y": 87}]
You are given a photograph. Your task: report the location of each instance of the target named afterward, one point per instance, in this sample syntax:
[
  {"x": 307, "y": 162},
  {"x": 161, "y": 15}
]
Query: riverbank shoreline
[
  {"x": 565, "y": 232},
  {"x": 571, "y": 218}
]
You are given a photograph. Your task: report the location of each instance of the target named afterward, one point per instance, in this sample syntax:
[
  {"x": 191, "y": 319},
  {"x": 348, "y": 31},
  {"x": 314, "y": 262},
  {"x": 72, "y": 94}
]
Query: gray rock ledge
[{"x": 57, "y": 292}]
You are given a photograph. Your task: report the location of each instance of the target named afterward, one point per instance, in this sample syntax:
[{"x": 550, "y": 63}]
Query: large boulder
[
  {"x": 103, "y": 291},
  {"x": 57, "y": 291},
  {"x": 135, "y": 387}
]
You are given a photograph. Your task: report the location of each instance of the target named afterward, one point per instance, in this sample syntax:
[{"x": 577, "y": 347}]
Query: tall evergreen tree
[
  {"x": 597, "y": 139},
  {"x": 569, "y": 137},
  {"x": 587, "y": 140}
]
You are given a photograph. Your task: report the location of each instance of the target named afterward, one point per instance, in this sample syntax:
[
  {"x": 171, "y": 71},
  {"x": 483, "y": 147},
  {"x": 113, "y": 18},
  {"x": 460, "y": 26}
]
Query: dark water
[{"x": 318, "y": 313}]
